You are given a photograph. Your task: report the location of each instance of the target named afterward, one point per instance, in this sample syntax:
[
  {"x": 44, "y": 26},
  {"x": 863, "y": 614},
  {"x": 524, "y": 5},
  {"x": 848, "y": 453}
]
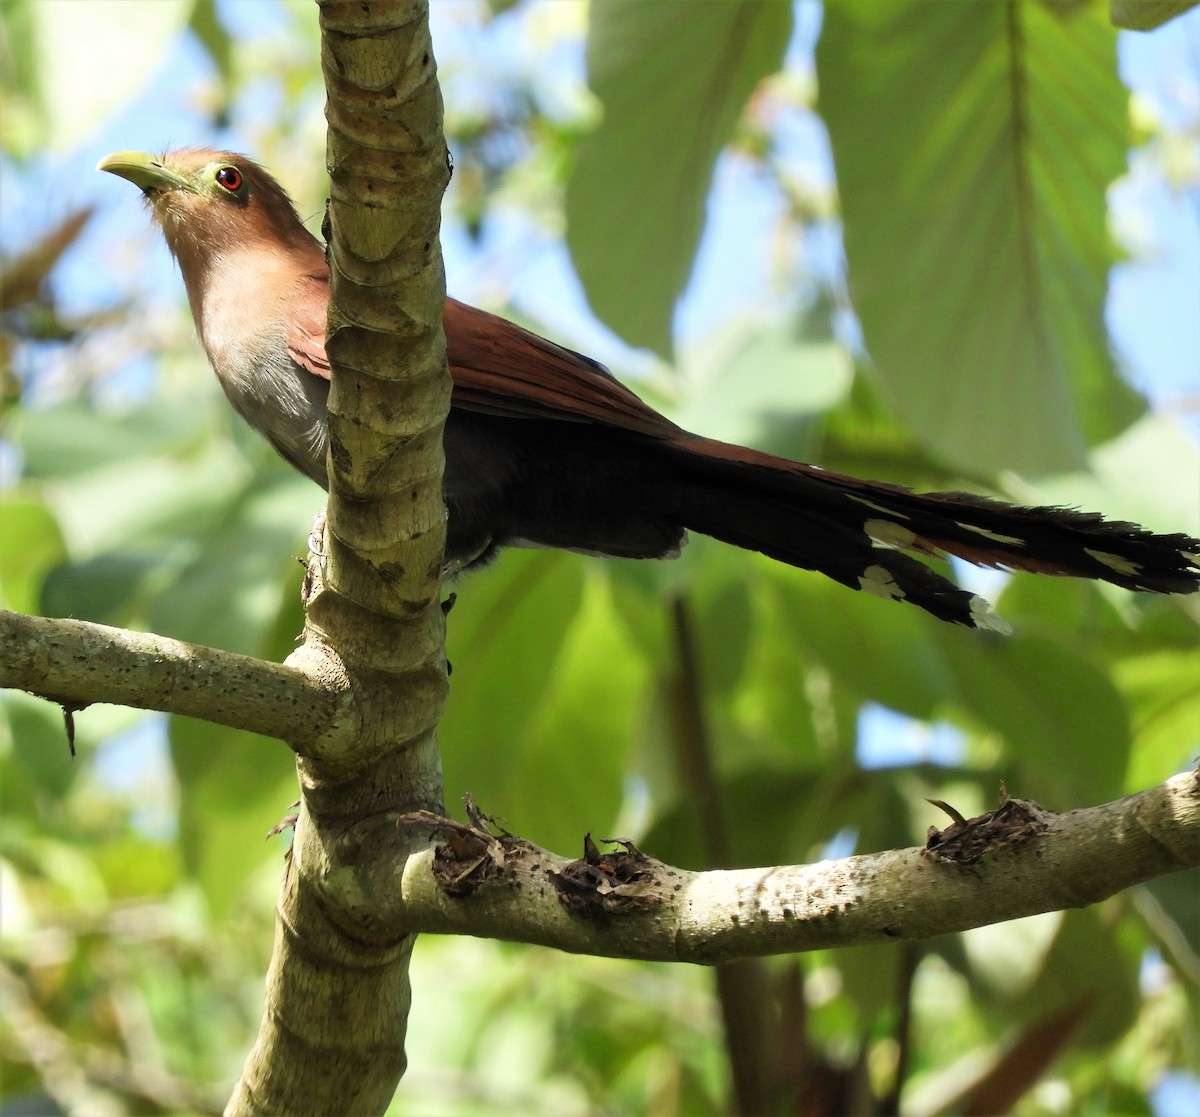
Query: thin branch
[
  {"x": 1078, "y": 858},
  {"x": 742, "y": 988},
  {"x": 1066, "y": 860},
  {"x": 909, "y": 958},
  {"x": 78, "y": 663},
  {"x": 691, "y": 740}
]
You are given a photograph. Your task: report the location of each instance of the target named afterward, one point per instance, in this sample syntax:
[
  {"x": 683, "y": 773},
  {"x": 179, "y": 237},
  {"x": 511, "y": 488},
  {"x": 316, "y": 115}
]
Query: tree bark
[
  {"x": 1033, "y": 862},
  {"x": 332, "y": 1034},
  {"x": 1017, "y": 861}
]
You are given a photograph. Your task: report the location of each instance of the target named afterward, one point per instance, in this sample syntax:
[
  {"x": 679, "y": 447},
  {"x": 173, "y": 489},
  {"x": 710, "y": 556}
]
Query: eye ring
[{"x": 230, "y": 178}]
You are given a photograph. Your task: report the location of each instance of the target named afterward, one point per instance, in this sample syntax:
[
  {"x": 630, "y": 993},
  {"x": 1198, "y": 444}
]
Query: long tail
[{"x": 863, "y": 533}]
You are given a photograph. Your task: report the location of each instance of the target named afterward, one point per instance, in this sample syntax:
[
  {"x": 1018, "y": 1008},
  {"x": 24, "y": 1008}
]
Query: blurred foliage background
[{"x": 933, "y": 313}]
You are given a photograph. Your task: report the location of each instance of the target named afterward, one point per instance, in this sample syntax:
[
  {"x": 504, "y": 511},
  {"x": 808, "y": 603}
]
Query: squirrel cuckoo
[{"x": 544, "y": 447}]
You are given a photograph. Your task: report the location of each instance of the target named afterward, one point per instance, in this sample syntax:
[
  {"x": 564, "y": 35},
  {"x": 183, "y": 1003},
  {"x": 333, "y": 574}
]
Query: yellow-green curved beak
[{"x": 144, "y": 170}]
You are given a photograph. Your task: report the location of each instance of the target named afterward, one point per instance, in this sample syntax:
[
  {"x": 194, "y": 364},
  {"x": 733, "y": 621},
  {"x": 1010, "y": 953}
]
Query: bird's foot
[
  {"x": 288, "y": 822},
  {"x": 316, "y": 535}
]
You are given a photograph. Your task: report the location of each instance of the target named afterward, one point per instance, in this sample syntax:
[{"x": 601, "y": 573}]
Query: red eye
[{"x": 230, "y": 178}]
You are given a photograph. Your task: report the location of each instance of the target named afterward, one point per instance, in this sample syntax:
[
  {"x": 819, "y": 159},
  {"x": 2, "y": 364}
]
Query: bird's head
[{"x": 207, "y": 202}]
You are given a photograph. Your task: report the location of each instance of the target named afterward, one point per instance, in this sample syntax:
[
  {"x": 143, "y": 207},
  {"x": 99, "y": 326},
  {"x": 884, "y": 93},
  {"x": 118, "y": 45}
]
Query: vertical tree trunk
[{"x": 332, "y": 1035}]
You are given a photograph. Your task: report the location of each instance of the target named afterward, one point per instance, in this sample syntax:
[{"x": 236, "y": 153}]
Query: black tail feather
[{"x": 857, "y": 532}]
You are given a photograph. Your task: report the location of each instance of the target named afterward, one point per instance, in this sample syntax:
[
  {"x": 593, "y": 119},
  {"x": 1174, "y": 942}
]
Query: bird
[{"x": 544, "y": 447}]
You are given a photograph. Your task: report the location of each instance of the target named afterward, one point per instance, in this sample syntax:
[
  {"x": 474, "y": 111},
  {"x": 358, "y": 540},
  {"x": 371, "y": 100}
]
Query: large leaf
[
  {"x": 1086, "y": 963},
  {"x": 755, "y": 836},
  {"x": 974, "y": 144},
  {"x": 1163, "y": 691},
  {"x": 1150, "y": 475},
  {"x": 672, "y": 80},
  {"x": 75, "y": 438}
]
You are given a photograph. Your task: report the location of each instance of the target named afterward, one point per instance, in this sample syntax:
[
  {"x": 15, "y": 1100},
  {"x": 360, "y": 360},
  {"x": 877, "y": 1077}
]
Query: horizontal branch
[
  {"x": 76, "y": 663},
  {"x": 505, "y": 888},
  {"x": 627, "y": 905}
]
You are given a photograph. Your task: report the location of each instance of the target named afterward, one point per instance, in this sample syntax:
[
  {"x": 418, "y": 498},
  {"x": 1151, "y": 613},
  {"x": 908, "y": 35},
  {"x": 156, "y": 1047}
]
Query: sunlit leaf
[
  {"x": 974, "y": 144},
  {"x": 672, "y": 80},
  {"x": 1174, "y": 916},
  {"x": 209, "y": 30},
  {"x": 1150, "y": 475},
  {"x": 1164, "y": 695},
  {"x": 754, "y": 377},
  {"x": 75, "y": 437},
  {"x": 1086, "y": 963},
  {"x": 859, "y": 639},
  {"x": 571, "y": 765}
]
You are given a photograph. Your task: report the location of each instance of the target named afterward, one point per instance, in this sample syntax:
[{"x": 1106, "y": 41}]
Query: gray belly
[{"x": 287, "y": 406}]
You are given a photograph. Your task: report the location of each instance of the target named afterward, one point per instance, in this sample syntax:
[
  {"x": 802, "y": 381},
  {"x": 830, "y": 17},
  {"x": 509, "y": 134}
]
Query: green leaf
[
  {"x": 1005, "y": 959},
  {"x": 39, "y": 743},
  {"x": 781, "y": 707},
  {"x": 974, "y": 144},
  {"x": 722, "y": 623},
  {"x": 672, "y": 80},
  {"x": 30, "y": 544},
  {"x": 572, "y": 761},
  {"x": 1150, "y": 475},
  {"x": 1031, "y": 968},
  {"x": 1086, "y": 962},
  {"x": 504, "y": 638},
  {"x": 870, "y": 977},
  {"x": 1145, "y": 15},
  {"x": 754, "y": 379},
  {"x": 105, "y": 589},
  {"x": 1164, "y": 694},
  {"x": 1172, "y": 910},
  {"x": 859, "y": 639},
  {"x": 73, "y": 438},
  {"x": 134, "y": 867},
  {"x": 24, "y": 116},
  {"x": 756, "y": 837},
  {"x": 1065, "y": 726},
  {"x": 244, "y": 568},
  {"x": 233, "y": 787},
  {"x": 208, "y": 29}
]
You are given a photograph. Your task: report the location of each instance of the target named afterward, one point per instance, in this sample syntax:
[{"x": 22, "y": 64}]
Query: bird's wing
[
  {"x": 501, "y": 369},
  {"x": 307, "y": 315},
  {"x": 498, "y": 368}
]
